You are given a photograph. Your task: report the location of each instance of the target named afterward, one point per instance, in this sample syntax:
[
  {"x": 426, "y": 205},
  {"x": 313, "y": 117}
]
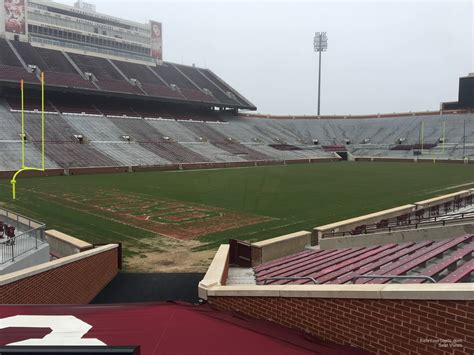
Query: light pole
[{"x": 320, "y": 45}]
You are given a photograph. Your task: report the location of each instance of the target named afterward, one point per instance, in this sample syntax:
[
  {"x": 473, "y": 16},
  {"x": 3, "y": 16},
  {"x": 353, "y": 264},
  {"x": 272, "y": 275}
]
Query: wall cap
[
  {"x": 216, "y": 270},
  {"x": 80, "y": 244},
  {"x": 442, "y": 198},
  {"x": 282, "y": 238},
  {"x": 325, "y": 227},
  {"x": 457, "y": 291}
]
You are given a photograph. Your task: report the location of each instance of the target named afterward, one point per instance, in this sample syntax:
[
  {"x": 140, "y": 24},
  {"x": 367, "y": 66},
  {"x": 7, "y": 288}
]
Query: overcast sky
[{"x": 383, "y": 56}]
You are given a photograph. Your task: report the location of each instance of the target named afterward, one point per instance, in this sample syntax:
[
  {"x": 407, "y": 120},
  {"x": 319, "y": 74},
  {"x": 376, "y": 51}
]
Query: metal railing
[
  {"x": 391, "y": 277},
  {"x": 31, "y": 236},
  {"x": 290, "y": 278},
  {"x": 353, "y": 280},
  {"x": 414, "y": 223}
]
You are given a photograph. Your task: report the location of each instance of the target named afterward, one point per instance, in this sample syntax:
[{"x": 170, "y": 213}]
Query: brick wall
[
  {"x": 32, "y": 173},
  {"x": 75, "y": 283},
  {"x": 98, "y": 170},
  {"x": 379, "y": 326}
]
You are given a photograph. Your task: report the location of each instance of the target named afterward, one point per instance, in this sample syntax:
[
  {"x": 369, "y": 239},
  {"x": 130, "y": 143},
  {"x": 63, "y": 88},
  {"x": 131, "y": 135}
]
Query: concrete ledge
[
  {"x": 64, "y": 244},
  {"x": 348, "y": 224},
  {"x": 18, "y": 275},
  {"x": 402, "y": 236},
  {"x": 458, "y": 291},
  {"x": 278, "y": 247},
  {"x": 441, "y": 199},
  {"x": 217, "y": 272}
]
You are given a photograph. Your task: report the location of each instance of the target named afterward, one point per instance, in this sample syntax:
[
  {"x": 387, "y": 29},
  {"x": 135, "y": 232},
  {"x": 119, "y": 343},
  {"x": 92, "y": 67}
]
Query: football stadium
[{"x": 143, "y": 202}]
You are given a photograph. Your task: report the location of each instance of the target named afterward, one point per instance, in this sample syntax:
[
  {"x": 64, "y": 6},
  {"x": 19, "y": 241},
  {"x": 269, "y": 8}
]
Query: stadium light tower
[{"x": 320, "y": 45}]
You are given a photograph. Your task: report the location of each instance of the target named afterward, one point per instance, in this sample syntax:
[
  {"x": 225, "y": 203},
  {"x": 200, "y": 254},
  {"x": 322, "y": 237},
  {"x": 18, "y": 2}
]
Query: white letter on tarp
[{"x": 66, "y": 330}]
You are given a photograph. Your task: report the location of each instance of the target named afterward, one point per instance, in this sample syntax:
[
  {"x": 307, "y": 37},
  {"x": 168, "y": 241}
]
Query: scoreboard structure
[
  {"x": 465, "y": 97},
  {"x": 466, "y": 91}
]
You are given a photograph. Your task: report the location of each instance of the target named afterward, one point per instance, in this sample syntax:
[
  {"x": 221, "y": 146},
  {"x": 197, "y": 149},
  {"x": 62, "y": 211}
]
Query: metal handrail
[
  {"x": 10, "y": 248},
  {"x": 8, "y": 214},
  {"x": 290, "y": 278},
  {"x": 13, "y": 239},
  {"x": 368, "y": 276}
]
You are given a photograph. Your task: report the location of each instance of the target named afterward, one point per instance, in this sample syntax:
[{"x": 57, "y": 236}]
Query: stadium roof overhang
[{"x": 123, "y": 95}]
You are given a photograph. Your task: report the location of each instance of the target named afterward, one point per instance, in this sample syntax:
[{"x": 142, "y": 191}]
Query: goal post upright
[
  {"x": 23, "y": 136},
  {"x": 42, "y": 121},
  {"x": 22, "y": 85}
]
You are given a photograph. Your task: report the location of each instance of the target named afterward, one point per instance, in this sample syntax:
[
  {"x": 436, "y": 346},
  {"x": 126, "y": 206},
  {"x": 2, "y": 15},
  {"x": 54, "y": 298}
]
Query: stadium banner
[
  {"x": 15, "y": 14},
  {"x": 156, "y": 40}
]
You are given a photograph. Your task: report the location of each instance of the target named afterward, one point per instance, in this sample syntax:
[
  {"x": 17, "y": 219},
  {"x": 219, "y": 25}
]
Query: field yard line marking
[
  {"x": 104, "y": 217},
  {"x": 453, "y": 187},
  {"x": 86, "y": 209},
  {"x": 276, "y": 227},
  {"x": 229, "y": 168}
]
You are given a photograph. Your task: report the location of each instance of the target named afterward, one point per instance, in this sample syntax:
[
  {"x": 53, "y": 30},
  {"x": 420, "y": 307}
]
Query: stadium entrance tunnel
[
  {"x": 151, "y": 287},
  {"x": 343, "y": 155}
]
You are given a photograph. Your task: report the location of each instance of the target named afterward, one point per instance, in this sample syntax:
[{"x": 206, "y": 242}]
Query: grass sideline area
[{"x": 287, "y": 198}]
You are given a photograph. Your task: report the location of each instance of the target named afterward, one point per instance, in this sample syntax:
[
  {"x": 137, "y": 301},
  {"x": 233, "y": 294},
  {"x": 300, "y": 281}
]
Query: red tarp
[{"x": 158, "y": 329}]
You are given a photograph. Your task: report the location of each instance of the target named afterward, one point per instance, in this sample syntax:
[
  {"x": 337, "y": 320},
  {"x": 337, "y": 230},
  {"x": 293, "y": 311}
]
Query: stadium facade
[
  {"x": 81, "y": 29},
  {"x": 113, "y": 104}
]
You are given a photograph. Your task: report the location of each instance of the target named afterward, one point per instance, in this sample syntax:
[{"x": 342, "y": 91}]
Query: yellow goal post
[{"x": 23, "y": 136}]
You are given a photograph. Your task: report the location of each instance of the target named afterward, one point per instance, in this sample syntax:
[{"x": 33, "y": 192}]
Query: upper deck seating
[
  {"x": 152, "y": 85},
  {"x": 7, "y": 56},
  {"x": 200, "y": 80},
  {"x": 58, "y": 71},
  {"x": 222, "y": 85},
  {"x": 172, "y": 76},
  {"x": 11, "y": 68},
  {"x": 108, "y": 78}
]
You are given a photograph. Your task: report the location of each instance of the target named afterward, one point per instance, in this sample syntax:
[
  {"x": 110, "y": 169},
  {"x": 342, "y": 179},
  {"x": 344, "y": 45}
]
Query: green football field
[{"x": 205, "y": 208}]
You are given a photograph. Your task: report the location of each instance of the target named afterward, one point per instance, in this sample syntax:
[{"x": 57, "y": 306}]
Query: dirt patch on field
[
  {"x": 174, "y": 219},
  {"x": 167, "y": 255}
]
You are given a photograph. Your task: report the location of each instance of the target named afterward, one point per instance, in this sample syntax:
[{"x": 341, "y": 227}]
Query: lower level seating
[
  {"x": 175, "y": 152},
  {"x": 242, "y": 150},
  {"x": 74, "y": 155},
  {"x": 410, "y": 262},
  {"x": 284, "y": 147}
]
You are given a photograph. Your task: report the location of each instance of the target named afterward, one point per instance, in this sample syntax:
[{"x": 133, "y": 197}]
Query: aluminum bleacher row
[
  {"x": 445, "y": 261},
  {"x": 168, "y": 135},
  {"x": 76, "y": 71},
  {"x": 113, "y": 140}
]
